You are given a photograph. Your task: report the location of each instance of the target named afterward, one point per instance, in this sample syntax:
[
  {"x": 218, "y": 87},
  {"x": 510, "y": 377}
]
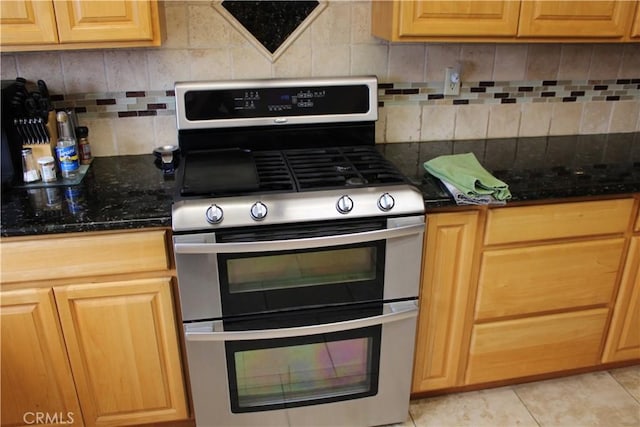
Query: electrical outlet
[{"x": 452, "y": 81}]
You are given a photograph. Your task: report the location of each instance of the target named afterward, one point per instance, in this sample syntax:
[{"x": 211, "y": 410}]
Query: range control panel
[
  {"x": 202, "y": 105},
  {"x": 272, "y": 102}
]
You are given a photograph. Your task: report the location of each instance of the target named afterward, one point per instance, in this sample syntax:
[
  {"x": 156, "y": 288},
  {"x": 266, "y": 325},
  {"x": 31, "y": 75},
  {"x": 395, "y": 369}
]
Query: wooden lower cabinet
[
  {"x": 444, "y": 295},
  {"x": 91, "y": 338},
  {"x": 35, "y": 372},
  {"x": 536, "y": 279},
  {"x": 623, "y": 342},
  {"x": 535, "y": 345},
  {"x": 124, "y": 351},
  {"x": 635, "y": 28},
  {"x": 510, "y": 293}
]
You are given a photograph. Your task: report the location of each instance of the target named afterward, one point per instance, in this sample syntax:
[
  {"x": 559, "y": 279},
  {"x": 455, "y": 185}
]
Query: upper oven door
[{"x": 258, "y": 270}]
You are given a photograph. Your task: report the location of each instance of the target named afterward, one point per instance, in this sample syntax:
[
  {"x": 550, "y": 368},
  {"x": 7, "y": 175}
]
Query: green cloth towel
[{"x": 467, "y": 175}]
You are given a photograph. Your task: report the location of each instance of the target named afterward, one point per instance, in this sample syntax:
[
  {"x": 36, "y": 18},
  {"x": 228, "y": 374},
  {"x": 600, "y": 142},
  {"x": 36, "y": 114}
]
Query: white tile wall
[{"x": 200, "y": 44}]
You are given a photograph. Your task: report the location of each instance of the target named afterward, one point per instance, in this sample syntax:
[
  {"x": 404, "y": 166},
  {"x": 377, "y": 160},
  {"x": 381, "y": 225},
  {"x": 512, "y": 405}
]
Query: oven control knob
[
  {"x": 344, "y": 205},
  {"x": 258, "y": 211},
  {"x": 386, "y": 202},
  {"x": 214, "y": 214}
]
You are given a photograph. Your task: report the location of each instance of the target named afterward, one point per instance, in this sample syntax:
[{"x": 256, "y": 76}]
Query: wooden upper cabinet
[
  {"x": 458, "y": 18},
  {"x": 27, "y": 25},
  {"x": 27, "y": 22},
  {"x": 98, "y": 21},
  {"x": 431, "y": 20},
  {"x": 543, "y": 18},
  {"x": 512, "y": 21}
]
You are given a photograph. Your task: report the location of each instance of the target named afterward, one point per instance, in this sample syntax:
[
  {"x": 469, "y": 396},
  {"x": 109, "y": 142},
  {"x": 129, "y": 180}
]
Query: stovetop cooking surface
[
  {"x": 220, "y": 171},
  {"x": 235, "y": 172}
]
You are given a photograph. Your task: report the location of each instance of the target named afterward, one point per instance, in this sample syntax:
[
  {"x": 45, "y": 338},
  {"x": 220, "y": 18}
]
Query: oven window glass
[
  {"x": 271, "y": 281},
  {"x": 304, "y": 370},
  {"x": 301, "y": 269}
]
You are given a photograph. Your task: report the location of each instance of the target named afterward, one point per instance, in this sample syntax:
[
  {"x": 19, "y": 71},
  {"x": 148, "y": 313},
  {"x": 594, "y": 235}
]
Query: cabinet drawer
[
  {"x": 547, "y": 277},
  {"x": 528, "y": 223},
  {"x": 531, "y": 346},
  {"x": 83, "y": 255}
]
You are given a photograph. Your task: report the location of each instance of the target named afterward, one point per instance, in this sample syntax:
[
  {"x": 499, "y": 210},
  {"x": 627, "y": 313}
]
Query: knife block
[{"x": 43, "y": 150}]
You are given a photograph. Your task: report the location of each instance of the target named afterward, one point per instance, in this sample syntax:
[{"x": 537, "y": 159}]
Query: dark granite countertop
[
  {"x": 120, "y": 192},
  {"x": 129, "y": 192},
  {"x": 536, "y": 169}
]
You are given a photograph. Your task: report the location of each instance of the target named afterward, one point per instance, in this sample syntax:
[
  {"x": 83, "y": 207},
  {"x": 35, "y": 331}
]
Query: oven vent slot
[{"x": 302, "y": 231}]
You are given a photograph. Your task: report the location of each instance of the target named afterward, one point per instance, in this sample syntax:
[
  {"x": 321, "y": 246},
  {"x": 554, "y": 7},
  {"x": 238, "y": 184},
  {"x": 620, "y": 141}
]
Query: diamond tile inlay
[{"x": 271, "y": 23}]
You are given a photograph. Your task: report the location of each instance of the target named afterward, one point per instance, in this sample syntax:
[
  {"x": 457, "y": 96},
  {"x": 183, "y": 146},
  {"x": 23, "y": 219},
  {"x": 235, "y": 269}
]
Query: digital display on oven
[{"x": 275, "y": 102}]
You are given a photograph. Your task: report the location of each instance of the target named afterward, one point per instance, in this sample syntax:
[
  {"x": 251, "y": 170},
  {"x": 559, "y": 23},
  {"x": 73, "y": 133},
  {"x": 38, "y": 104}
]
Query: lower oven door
[{"x": 352, "y": 372}]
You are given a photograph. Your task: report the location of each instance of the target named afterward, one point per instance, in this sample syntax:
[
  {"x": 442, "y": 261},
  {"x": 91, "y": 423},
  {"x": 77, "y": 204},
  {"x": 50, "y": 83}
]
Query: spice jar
[
  {"x": 47, "y": 166},
  {"x": 29, "y": 168},
  {"x": 84, "y": 149}
]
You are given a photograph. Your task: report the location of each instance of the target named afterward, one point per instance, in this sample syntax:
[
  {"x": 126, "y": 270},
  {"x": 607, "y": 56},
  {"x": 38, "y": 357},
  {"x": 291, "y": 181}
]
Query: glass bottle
[
  {"x": 29, "y": 169},
  {"x": 67, "y": 157}
]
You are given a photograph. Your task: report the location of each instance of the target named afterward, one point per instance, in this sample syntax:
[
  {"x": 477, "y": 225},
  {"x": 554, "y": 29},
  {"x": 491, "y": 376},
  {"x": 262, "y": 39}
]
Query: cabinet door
[
  {"x": 458, "y": 18},
  {"x": 623, "y": 342},
  {"x": 89, "y": 254},
  {"x": 535, "y": 279},
  {"x": 535, "y": 345},
  {"x": 101, "y": 21},
  {"x": 35, "y": 373},
  {"x": 124, "y": 351},
  {"x": 446, "y": 278},
  {"x": 542, "y": 18},
  {"x": 557, "y": 221},
  {"x": 27, "y": 22},
  {"x": 635, "y": 29}
]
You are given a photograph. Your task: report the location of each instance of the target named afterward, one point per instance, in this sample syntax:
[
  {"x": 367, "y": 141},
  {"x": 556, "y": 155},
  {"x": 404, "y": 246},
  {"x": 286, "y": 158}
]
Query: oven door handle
[
  {"x": 212, "y": 330},
  {"x": 311, "y": 242}
]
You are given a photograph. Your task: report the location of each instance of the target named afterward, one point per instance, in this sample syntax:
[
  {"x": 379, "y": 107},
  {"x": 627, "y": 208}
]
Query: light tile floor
[{"x": 606, "y": 398}]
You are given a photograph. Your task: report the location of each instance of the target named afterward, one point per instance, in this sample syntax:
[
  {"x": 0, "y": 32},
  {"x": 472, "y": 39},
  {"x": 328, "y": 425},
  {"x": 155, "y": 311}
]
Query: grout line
[
  {"x": 623, "y": 386},
  {"x": 412, "y": 420},
  {"x": 525, "y": 406}
]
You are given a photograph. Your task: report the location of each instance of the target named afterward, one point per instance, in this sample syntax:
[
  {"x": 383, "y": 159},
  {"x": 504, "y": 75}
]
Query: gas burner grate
[
  {"x": 340, "y": 167},
  {"x": 272, "y": 171},
  {"x": 285, "y": 171}
]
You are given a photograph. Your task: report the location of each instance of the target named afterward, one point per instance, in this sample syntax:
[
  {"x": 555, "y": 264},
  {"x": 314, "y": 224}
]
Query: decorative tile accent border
[
  {"x": 119, "y": 104},
  {"x": 490, "y": 92},
  {"x": 162, "y": 103}
]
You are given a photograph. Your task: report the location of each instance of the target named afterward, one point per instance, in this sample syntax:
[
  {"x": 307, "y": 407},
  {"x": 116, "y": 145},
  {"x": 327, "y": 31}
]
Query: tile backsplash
[{"x": 126, "y": 98}]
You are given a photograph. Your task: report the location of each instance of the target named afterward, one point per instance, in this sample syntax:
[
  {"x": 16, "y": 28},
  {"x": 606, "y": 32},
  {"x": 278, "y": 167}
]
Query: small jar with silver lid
[
  {"x": 29, "y": 169},
  {"x": 47, "y": 166}
]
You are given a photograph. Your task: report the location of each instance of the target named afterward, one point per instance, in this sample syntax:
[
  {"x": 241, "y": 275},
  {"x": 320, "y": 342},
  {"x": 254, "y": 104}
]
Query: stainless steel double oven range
[{"x": 297, "y": 250}]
